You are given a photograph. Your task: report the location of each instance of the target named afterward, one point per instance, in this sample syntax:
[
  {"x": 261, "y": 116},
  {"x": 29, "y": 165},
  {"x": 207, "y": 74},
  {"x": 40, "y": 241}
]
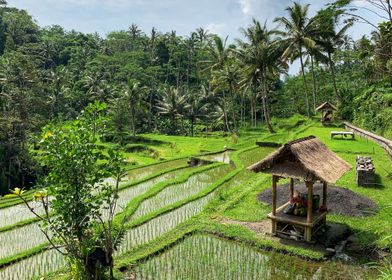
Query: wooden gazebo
[
  {"x": 326, "y": 110},
  {"x": 306, "y": 159}
]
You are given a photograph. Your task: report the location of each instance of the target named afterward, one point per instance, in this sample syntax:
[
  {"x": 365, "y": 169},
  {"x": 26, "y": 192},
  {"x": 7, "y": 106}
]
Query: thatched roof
[
  {"x": 306, "y": 159},
  {"x": 326, "y": 106}
]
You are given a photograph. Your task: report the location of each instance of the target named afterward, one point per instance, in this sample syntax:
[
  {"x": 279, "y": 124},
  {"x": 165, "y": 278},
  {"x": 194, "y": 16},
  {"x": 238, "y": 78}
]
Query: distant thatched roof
[
  {"x": 307, "y": 159},
  {"x": 326, "y": 106}
]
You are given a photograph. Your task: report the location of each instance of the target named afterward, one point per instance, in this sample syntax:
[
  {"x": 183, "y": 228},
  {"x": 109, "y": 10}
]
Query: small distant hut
[
  {"x": 326, "y": 110},
  {"x": 306, "y": 159}
]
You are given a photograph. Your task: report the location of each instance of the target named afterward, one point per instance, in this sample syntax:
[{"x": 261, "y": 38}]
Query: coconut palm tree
[
  {"x": 219, "y": 55},
  {"x": 133, "y": 96},
  {"x": 298, "y": 34},
  {"x": 225, "y": 82},
  {"x": 218, "y": 52},
  {"x": 314, "y": 55},
  {"x": 171, "y": 104},
  {"x": 196, "y": 106},
  {"x": 261, "y": 57},
  {"x": 331, "y": 39}
]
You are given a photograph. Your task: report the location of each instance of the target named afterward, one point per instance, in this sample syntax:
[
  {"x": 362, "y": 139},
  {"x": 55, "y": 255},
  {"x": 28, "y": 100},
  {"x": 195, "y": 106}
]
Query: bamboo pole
[
  {"x": 308, "y": 230},
  {"x": 273, "y": 221},
  {"x": 310, "y": 201},
  {"x": 291, "y": 188},
  {"x": 325, "y": 184},
  {"x": 274, "y": 183}
]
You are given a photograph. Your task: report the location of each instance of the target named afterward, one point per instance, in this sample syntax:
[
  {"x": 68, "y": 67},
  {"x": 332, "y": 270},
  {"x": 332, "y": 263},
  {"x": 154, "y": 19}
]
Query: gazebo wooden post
[
  {"x": 273, "y": 221},
  {"x": 325, "y": 184},
  {"x": 291, "y": 188},
  {"x": 309, "y": 219}
]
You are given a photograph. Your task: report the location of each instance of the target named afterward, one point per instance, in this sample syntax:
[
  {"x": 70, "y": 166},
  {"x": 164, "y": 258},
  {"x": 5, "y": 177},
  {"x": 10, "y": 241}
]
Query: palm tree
[
  {"x": 171, "y": 104},
  {"x": 331, "y": 39},
  {"x": 225, "y": 81},
  {"x": 134, "y": 31},
  {"x": 314, "y": 55},
  {"x": 219, "y": 55},
  {"x": 299, "y": 33},
  {"x": 195, "y": 106},
  {"x": 218, "y": 52},
  {"x": 133, "y": 96},
  {"x": 262, "y": 58}
]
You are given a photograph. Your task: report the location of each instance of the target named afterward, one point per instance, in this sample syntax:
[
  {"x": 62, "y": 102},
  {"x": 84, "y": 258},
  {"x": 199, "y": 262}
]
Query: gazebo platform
[
  {"x": 306, "y": 159},
  {"x": 285, "y": 223}
]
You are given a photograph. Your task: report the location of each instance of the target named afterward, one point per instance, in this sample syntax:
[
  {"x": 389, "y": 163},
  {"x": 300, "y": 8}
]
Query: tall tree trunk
[
  {"x": 265, "y": 107},
  {"x": 233, "y": 110},
  {"x": 192, "y": 125},
  {"x": 305, "y": 83},
  {"x": 133, "y": 122},
  {"x": 314, "y": 83},
  {"x": 225, "y": 113},
  {"x": 332, "y": 68}
]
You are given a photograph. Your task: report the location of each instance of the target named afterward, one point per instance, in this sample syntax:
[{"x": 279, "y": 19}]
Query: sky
[{"x": 223, "y": 17}]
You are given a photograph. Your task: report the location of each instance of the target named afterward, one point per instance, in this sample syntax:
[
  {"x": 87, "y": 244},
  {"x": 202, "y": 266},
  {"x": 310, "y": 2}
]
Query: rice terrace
[{"x": 239, "y": 139}]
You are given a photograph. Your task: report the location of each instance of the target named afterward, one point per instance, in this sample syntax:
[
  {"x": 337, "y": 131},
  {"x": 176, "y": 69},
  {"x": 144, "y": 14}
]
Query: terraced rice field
[
  {"x": 254, "y": 155},
  {"x": 177, "y": 192},
  {"x": 219, "y": 157},
  {"x": 18, "y": 213},
  {"x": 199, "y": 256},
  {"x": 51, "y": 260},
  {"x": 34, "y": 266},
  {"x": 20, "y": 239},
  {"x": 208, "y": 257},
  {"x": 139, "y": 173},
  {"x": 126, "y": 195}
]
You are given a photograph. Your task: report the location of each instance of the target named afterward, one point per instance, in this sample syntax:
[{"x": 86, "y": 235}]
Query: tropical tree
[
  {"x": 225, "y": 81},
  {"x": 218, "y": 52},
  {"x": 331, "y": 39},
  {"x": 195, "y": 106},
  {"x": 171, "y": 104},
  {"x": 262, "y": 57},
  {"x": 133, "y": 96},
  {"x": 79, "y": 221},
  {"x": 299, "y": 34}
]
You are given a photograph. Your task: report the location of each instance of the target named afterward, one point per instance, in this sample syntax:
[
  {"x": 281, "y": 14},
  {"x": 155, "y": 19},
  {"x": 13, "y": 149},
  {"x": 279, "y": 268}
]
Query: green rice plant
[
  {"x": 34, "y": 266},
  {"x": 254, "y": 155},
  {"x": 18, "y": 213},
  {"x": 162, "y": 224},
  {"x": 128, "y": 194},
  {"x": 32, "y": 235},
  {"x": 177, "y": 192},
  {"x": 208, "y": 257},
  {"x": 139, "y": 173},
  {"x": 20, "y": 239}
]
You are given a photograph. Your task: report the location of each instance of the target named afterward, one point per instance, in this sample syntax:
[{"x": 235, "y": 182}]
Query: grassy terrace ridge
[
  {"x": 23, "y": 255},
  {"x": 132, "y": 206}
]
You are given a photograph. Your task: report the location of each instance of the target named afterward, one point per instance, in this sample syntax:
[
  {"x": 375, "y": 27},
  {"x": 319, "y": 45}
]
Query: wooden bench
[{"x": 344, "y": 134}]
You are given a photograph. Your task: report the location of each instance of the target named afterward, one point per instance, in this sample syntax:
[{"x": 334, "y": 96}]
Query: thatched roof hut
[
  {"x": 326, "y": 106},
  {"x": 327, "y": 112},
  {"x": 306, "y": 159}
]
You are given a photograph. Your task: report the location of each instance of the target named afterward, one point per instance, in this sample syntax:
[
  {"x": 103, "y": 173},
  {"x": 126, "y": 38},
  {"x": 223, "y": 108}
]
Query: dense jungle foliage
[{"x": 186, "y": 85}]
